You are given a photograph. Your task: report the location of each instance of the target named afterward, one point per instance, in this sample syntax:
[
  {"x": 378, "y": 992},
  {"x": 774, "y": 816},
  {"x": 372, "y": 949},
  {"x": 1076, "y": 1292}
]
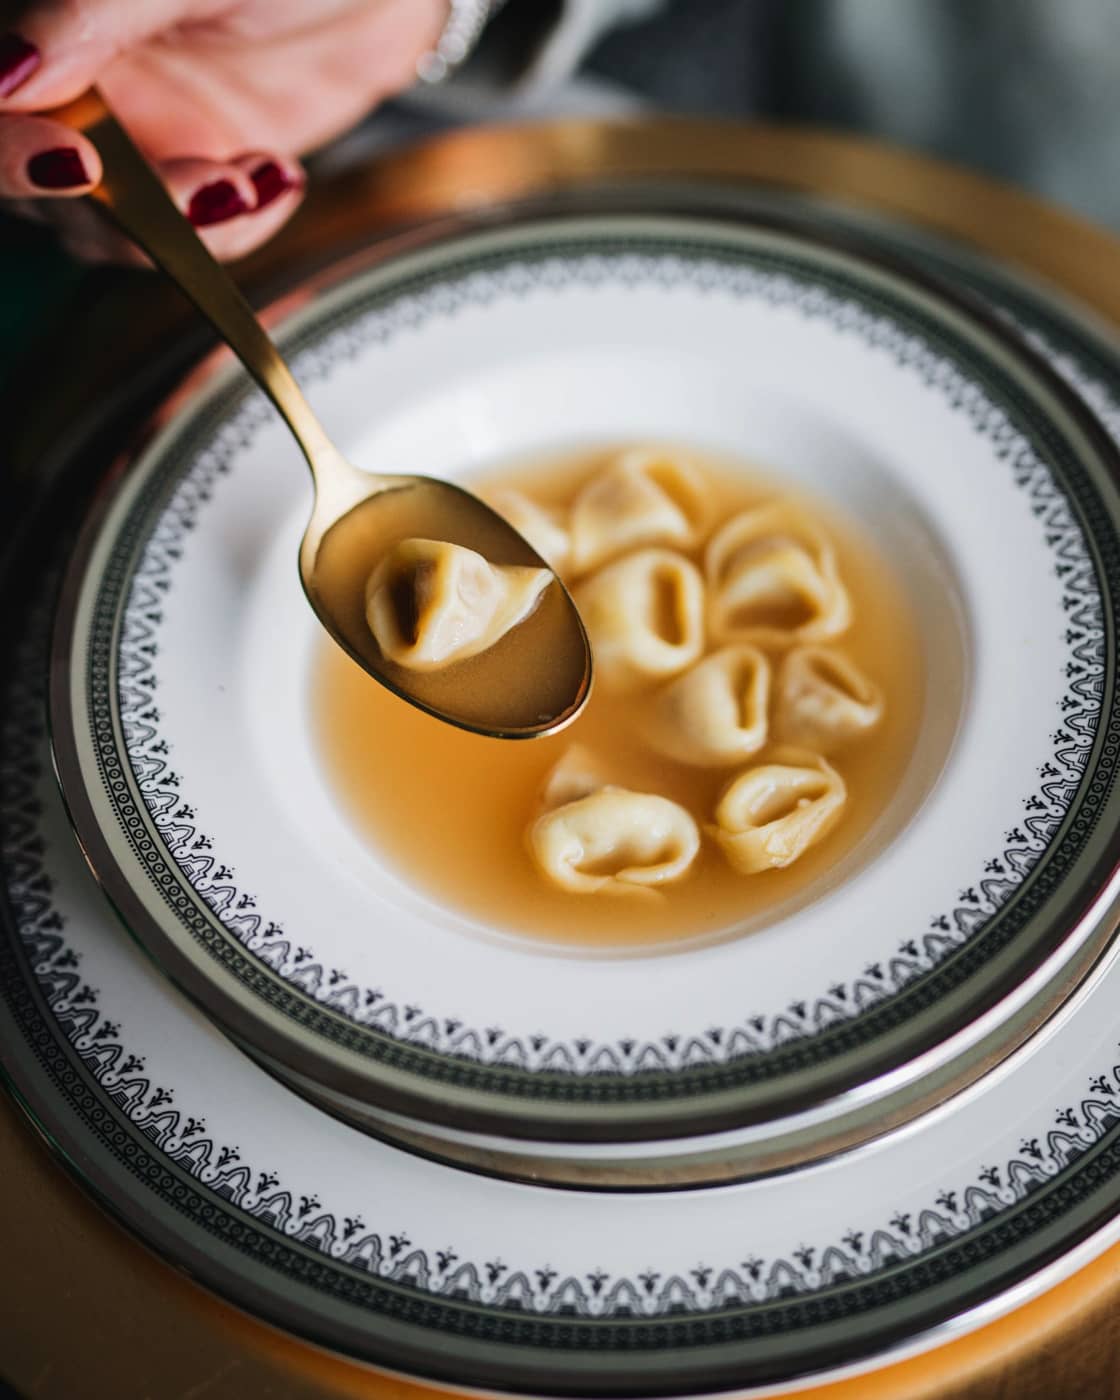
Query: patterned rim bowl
[{"x": 185, "y": 747}]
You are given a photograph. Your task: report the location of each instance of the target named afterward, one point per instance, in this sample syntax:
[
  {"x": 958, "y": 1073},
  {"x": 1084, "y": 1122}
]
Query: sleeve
[
  {"x": 577, "y": 27},
  {"x": 528, "y": 50}
]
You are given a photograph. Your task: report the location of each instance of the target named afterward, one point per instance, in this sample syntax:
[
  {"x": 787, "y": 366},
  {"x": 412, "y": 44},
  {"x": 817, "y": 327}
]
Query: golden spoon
[{"x": 537, "y": 677}]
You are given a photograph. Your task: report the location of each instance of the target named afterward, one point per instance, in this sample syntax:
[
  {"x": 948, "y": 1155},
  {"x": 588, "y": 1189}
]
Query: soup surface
[{"x": 451, "y": 812}]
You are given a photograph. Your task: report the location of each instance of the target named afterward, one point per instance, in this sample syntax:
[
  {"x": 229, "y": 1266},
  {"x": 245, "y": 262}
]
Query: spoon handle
[{"x": 135, "y": 199}]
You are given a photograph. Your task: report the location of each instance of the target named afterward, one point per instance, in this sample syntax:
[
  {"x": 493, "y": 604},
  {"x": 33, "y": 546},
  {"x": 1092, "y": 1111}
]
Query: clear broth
[{"x": 449, "y": 810}]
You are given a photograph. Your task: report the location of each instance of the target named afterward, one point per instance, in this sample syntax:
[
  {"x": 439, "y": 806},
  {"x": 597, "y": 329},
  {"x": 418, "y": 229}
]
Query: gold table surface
[{"x": 86, "y": 1311}]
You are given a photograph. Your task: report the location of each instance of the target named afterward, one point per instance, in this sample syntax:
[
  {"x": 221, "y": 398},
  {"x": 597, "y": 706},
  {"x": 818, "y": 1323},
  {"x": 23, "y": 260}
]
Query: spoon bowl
[
  {"x": 537, "y": 677},
  {"x": 532, "y": 681}
]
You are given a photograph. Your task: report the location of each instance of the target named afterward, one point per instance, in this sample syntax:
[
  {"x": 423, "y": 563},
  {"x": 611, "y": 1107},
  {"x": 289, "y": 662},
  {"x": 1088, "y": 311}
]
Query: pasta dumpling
[
  {"x": 538, "y": 525},
  {"x": 643, "y": 498},
  {"x": 716, "y": 713},
  {"x": 614, "y": 841},
  {"x": 430, "y": 603},
  {"x": 644, "y": 615},
  {"x": 770, "y": 815},
  {"x": 578, "y": 773},
  {"x": 772, "y": 579},
  {"x": 824, "y": 699}
]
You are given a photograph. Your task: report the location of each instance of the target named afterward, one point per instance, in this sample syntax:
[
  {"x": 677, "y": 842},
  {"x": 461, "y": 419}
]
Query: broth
[{"x": 449, "y": 810}]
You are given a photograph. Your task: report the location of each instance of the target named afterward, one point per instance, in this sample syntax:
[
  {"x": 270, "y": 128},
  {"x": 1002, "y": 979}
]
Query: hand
[{"x": 222, "y": 96}]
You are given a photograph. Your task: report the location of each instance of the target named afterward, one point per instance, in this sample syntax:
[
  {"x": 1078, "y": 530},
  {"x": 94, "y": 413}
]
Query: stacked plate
[{"x": 479, "y": 1158}]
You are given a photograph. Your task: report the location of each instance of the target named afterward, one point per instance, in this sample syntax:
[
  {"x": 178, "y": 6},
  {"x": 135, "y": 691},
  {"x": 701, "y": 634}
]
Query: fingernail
[
  {"x": 214, "y": 203},
  {"x": 19, "y": 58},
  {"x": 60, "y": 168},
  {"x": 271, "y": 181}
]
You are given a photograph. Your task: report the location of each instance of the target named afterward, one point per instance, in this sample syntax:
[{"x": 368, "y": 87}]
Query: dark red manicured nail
[
  {"x": 271, "y": 181},
  {"x": 18, "y": 60},
  {"x": 215, "y": 203},
  {"x": 60, "y": 168}
]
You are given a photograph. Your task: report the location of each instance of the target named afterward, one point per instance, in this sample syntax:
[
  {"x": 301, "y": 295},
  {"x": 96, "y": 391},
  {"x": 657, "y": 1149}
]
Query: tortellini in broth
[
  {"x": 545, "y": 532},
  {"x": 642, "y": 498},
  {"x": 758, "y": 692},
  {"x": 644, "y": 615},
  {"x": 716, "y": 713},
  {"x": 718, "y": 669},
  {"x": 771, "y": 814},
  {"x": 773, "y": 580},
  {"x": 606, "y": 839},
  {"x": 579, "y": 773},
  {"x": 430, "y": 603},
  {"x": 824, "y": 699}
]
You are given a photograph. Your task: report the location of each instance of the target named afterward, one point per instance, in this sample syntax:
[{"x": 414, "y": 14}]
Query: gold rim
[{"x": 476, "y": 169}]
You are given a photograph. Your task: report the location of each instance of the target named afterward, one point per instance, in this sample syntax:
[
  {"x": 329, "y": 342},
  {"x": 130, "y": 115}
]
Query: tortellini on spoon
[
  {"x": 643, "y": 498},
  {"x": 824, "y": 699},
  {"x": 608, "y": 839},
  {"x": 773, "y": 580},
  {"x": 771, "y": 814},
  {"x": 645, "y": 617},
  {"x": 430, "y": 603},
  {"x": 716, "y": 713}
]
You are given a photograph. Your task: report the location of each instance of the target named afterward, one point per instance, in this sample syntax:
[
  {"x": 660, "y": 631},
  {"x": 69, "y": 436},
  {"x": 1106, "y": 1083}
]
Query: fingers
[
  {"x": 274, "y": 179},
  {"x": 61, "y": 46},
  {"x": 235, "y": 206},
  {"x": 41, "y": 158}
]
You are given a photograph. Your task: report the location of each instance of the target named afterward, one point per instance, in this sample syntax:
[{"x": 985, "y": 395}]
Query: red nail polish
[
  {"x": 271, "y": 181},
  {"x": 215, "y": 203},
  {"x": 60, "y": 168},
  {"x": 19, "y": 58}
]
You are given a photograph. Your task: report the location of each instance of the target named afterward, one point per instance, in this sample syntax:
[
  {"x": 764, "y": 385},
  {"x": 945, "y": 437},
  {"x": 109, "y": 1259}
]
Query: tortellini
[
  {"x": 824, "y": 699},
  {"x": 643, "y": 498},
  {"x": 579, "y": 773},
  {"x": 716, "y": 714},
  {"x": 644, "y": 615},
  {"x": 772, "y": 580},
  {"x": 614, "y": 841},
  {"x": 771, "y": 814},
  {"x": 709, "y": 639},
  {"x": 539, "y": 526},
  {"x": 430, "y": 603}
]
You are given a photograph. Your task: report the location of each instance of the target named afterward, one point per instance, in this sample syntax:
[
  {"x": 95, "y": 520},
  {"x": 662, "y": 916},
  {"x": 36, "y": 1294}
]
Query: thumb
[{"x": 62, "y": 46}]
